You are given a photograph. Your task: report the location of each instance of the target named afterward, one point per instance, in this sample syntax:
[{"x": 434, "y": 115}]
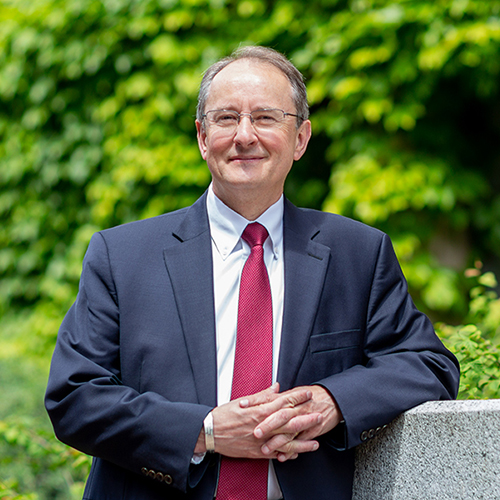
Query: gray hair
[{"x": 265, "y": 55}]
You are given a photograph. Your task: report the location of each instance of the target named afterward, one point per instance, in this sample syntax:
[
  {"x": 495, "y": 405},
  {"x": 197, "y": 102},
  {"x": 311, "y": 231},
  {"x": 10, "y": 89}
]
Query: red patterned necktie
[{"x": 246, "y": 479}]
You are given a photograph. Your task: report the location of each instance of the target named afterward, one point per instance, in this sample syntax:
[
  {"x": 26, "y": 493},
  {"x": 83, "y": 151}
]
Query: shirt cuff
[{"x": 198, "y": 458}]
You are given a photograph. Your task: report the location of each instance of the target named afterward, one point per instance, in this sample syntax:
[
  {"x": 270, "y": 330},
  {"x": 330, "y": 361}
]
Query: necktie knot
[{"x": 255, "y": 234}]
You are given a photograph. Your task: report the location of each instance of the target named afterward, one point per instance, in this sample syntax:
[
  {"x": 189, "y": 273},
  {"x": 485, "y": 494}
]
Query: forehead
[{"x": 251, "y": 83}]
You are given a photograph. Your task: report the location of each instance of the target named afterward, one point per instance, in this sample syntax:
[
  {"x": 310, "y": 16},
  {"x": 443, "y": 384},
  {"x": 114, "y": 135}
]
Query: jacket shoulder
[
  {"x": 328, "y": 225},
  {"x": 181, "y": 224},
  {"x": 160, "y": 225}
]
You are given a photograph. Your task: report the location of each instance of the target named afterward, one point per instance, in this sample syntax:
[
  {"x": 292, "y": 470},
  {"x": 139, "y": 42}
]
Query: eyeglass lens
[{"x": 261, "y": 119}]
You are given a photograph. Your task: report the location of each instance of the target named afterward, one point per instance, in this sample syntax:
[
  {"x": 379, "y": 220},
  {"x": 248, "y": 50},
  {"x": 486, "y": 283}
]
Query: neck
[{"x": 250, "y": 205}]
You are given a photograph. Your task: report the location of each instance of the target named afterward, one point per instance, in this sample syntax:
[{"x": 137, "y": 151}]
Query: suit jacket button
[
  {"x": 167, "y": 478},
  {"x": 159, "y": 476},
  {"x": 371, "y": 433},
  {"x": 364, "y": 436},
  {"x": 152, "y": 474},
  {"x": 144, "y": 471}
]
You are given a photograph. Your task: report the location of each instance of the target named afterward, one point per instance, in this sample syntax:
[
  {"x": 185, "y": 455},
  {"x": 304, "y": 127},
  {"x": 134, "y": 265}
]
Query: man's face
[{"x": 245, "y": 161}]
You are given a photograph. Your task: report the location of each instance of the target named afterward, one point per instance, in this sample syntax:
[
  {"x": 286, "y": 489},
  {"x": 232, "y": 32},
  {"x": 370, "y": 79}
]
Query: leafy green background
[{"x": 97, "y": 104}]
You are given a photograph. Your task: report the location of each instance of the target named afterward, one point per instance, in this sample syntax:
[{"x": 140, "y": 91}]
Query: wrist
[{"x": 208, "y": 428}]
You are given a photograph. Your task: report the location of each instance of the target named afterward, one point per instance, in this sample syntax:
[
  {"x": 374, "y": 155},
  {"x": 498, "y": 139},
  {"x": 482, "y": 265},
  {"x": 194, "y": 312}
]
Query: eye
[
  {"x": 266, "y": 117},
  {"x": 225, "y": 118}
]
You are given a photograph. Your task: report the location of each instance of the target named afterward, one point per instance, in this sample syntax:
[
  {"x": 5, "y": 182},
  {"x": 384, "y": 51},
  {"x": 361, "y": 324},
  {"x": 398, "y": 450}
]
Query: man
[{"x": 163, "y": 366}]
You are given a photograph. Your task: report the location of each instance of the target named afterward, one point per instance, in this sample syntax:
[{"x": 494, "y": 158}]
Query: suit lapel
[
  {"x": 305, "y": 268},
  {"x": 189, "y": 264}
]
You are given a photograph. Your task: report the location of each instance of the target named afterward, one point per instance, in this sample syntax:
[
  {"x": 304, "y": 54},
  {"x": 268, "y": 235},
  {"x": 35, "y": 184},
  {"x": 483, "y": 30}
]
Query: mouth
[{"x": 245, "y": 158}]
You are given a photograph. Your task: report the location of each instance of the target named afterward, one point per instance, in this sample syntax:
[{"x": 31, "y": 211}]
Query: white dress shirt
[{"x": 229, "y": 253}]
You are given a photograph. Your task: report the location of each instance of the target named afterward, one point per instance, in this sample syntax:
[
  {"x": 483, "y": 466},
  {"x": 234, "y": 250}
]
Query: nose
[{"x": 245, "y": 132}]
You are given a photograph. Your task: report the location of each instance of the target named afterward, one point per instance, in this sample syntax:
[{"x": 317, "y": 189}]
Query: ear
[
  {"x": 202, "y": 139},
  {"x": 303, "y": 136}
]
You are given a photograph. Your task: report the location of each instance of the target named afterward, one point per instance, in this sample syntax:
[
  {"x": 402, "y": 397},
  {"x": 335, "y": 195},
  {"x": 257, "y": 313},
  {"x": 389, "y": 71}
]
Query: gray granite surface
[{"x": 439, "y": 450}]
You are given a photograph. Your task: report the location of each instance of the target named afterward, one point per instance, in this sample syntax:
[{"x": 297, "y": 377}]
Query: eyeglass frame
[{"x": 285, "y": 114}]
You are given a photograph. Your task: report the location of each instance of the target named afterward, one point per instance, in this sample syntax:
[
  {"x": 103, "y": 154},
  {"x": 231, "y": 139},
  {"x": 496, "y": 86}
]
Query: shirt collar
[{"x": 227, "y": 226}]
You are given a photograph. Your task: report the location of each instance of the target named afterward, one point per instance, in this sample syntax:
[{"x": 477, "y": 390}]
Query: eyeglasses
[{"x": 261, "y": 119}]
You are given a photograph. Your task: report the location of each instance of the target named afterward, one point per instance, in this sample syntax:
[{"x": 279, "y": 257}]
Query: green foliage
[
  {"x": 97, "y": 104},
  {"x": 31, "y": 459},
  {"x": 96, "y": 125},
  {"x": 7, "y": 493},
  {"x": 477, "y": 344},
  {"x": 484, "y": 307},
  {"x": 39, "y": 463},
  {"x": 479, "y": 361},
  {"x": 407, "y": 92}
]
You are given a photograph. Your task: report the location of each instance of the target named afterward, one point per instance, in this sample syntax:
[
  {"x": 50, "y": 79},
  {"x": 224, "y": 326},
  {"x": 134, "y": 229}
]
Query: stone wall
[{"x": 437, "y": 451}]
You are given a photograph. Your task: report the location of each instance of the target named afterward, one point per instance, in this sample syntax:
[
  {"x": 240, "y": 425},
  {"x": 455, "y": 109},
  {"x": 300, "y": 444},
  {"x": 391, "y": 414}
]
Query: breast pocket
[
  {"x": 346, "y": 339},
  {"x": 334, "y": 352}
]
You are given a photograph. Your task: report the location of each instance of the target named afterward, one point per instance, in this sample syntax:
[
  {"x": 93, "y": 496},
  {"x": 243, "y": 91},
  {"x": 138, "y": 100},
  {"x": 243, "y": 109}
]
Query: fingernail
[
  {"x": 244, "y": 403},
  {"x": 258, "y": 433},
  {"x": 315, "y": 446},
  {"x": 265, "y": 450}
]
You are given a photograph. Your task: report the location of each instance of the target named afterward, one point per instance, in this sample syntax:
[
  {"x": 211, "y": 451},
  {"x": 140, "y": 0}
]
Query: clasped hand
[{"x": 270, "y": 424}]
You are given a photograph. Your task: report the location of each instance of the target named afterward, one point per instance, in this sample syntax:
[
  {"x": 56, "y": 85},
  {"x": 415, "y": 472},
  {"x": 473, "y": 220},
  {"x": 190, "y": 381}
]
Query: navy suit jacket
[{"x": 134, "y": 369}]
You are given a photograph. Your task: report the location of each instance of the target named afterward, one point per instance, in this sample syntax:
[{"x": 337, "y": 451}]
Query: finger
[
  {"x": 296, "y": 397},
  {"x": 272, "y": 401},
  {"x": 276, "y": 420},
  {"x": 283, "y": 457},
  {"x": 277, "y": 443},
  {"x": 262, "y": 397},
  {"x": 295, "y": 448},
  {"x": 311, "y": 433},
  {"x": 286, "y": 421},
  {"x": 278, "y": 412}
]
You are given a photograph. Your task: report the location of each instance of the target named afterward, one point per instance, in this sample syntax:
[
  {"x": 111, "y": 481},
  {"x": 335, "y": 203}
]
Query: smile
[{"x": 246, "y": 158}]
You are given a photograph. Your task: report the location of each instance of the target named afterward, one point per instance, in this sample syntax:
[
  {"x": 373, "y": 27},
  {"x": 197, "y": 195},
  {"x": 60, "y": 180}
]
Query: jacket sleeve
[
  {"x": 405, "y": 363},
  {"x": 89, "y": 406}
]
